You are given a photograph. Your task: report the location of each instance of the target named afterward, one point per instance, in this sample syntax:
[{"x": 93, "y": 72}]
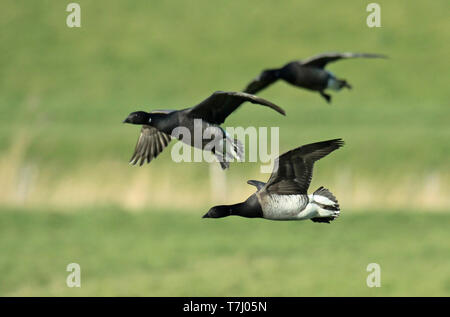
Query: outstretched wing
[
  {"x": 151, "y": 142},
  {"x": 221, "y": 104},
  {"x": 292, "y": 172},
  {"x": 323, "y": 59},
  {"x": 266, "y": 78}
]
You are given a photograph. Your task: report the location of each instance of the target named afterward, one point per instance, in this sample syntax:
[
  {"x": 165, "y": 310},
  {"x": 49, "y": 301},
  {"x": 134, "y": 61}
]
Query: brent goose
[
  {"x": 310, "y": 74},
  {"x": 285, "y": 196},
  {"x": 157, "y": 126}
]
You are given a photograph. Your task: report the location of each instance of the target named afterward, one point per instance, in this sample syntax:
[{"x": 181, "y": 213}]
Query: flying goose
[
  {"x": 285, "y": 195},
  {"x": 309, "y": 73},
  {"x": 157, "y": 126}
]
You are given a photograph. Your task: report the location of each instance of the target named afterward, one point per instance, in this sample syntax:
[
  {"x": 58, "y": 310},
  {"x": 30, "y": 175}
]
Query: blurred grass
[{"x": 175, "y": 254}]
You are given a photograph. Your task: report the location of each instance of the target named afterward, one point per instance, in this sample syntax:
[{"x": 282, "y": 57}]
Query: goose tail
[{"x": 328, "y": 205}]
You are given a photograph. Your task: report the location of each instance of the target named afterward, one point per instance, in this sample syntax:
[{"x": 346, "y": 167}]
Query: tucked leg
[{"x": 326, "y": 96}]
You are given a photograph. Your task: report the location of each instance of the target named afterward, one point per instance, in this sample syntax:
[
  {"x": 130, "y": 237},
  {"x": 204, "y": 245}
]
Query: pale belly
[{"x": 287, "y": 207}]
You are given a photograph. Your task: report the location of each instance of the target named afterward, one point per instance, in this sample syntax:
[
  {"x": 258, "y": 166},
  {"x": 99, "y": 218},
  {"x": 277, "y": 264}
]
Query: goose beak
[{"x": 206, "y": 215}]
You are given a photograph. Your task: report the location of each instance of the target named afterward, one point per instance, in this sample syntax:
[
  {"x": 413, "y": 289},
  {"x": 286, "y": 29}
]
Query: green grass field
[
  {"x": 166, "y": 253},
  {"x": 67, "y": 193}
]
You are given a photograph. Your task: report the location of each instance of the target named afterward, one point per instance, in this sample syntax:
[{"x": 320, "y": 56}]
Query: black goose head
[
  {"x": 138, "y": 117},
  {"x": 218, "y": 212},
  {"x": 249, "y": 209},
  {"x": 159, "y": 120}
]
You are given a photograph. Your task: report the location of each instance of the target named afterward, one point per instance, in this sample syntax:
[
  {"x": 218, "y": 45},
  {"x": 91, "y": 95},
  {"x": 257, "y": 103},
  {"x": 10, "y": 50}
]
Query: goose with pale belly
[{"x": 285, "y": 196}]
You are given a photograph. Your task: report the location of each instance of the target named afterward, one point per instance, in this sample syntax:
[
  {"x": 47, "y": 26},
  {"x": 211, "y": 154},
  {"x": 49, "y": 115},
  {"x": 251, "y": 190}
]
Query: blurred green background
[{"x": 68, "y": 195}]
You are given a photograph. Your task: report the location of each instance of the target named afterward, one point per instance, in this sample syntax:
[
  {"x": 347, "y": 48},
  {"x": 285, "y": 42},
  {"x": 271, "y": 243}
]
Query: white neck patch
[{"x": 333, "y": 84}]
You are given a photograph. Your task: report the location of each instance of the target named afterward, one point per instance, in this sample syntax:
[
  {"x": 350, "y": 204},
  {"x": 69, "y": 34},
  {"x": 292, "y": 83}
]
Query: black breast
[{"x": 312, "y": 78}]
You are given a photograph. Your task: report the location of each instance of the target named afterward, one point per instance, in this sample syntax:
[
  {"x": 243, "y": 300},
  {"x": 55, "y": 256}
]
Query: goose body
[
  {"x": 308, "y": 74},
  {"x": 284, "y": 196}
]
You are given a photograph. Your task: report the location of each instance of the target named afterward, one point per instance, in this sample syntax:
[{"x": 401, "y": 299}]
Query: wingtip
[
  {"x": 376, "y": 55},
  {"x": 134, "y": 162},
  {"x": 339, "y": 142},
  {"x": 364, "y": 55},
  {"x": 383, "y": 56},
  {"x": 278, "y": 109}
]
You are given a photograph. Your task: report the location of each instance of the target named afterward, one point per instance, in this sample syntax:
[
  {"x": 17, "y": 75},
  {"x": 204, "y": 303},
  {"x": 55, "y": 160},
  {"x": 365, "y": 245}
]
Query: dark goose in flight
[
  {"x": 285, "y": 195},
  {"x": 310, "y": 74},
  {"x": 157, "y": 126}
]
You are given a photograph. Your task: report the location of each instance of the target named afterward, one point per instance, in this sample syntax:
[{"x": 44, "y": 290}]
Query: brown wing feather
[
  {"x": 217, "y": 107},
  {"x": 292, "y": 172},
  {"x": 151, "y": 142}
]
